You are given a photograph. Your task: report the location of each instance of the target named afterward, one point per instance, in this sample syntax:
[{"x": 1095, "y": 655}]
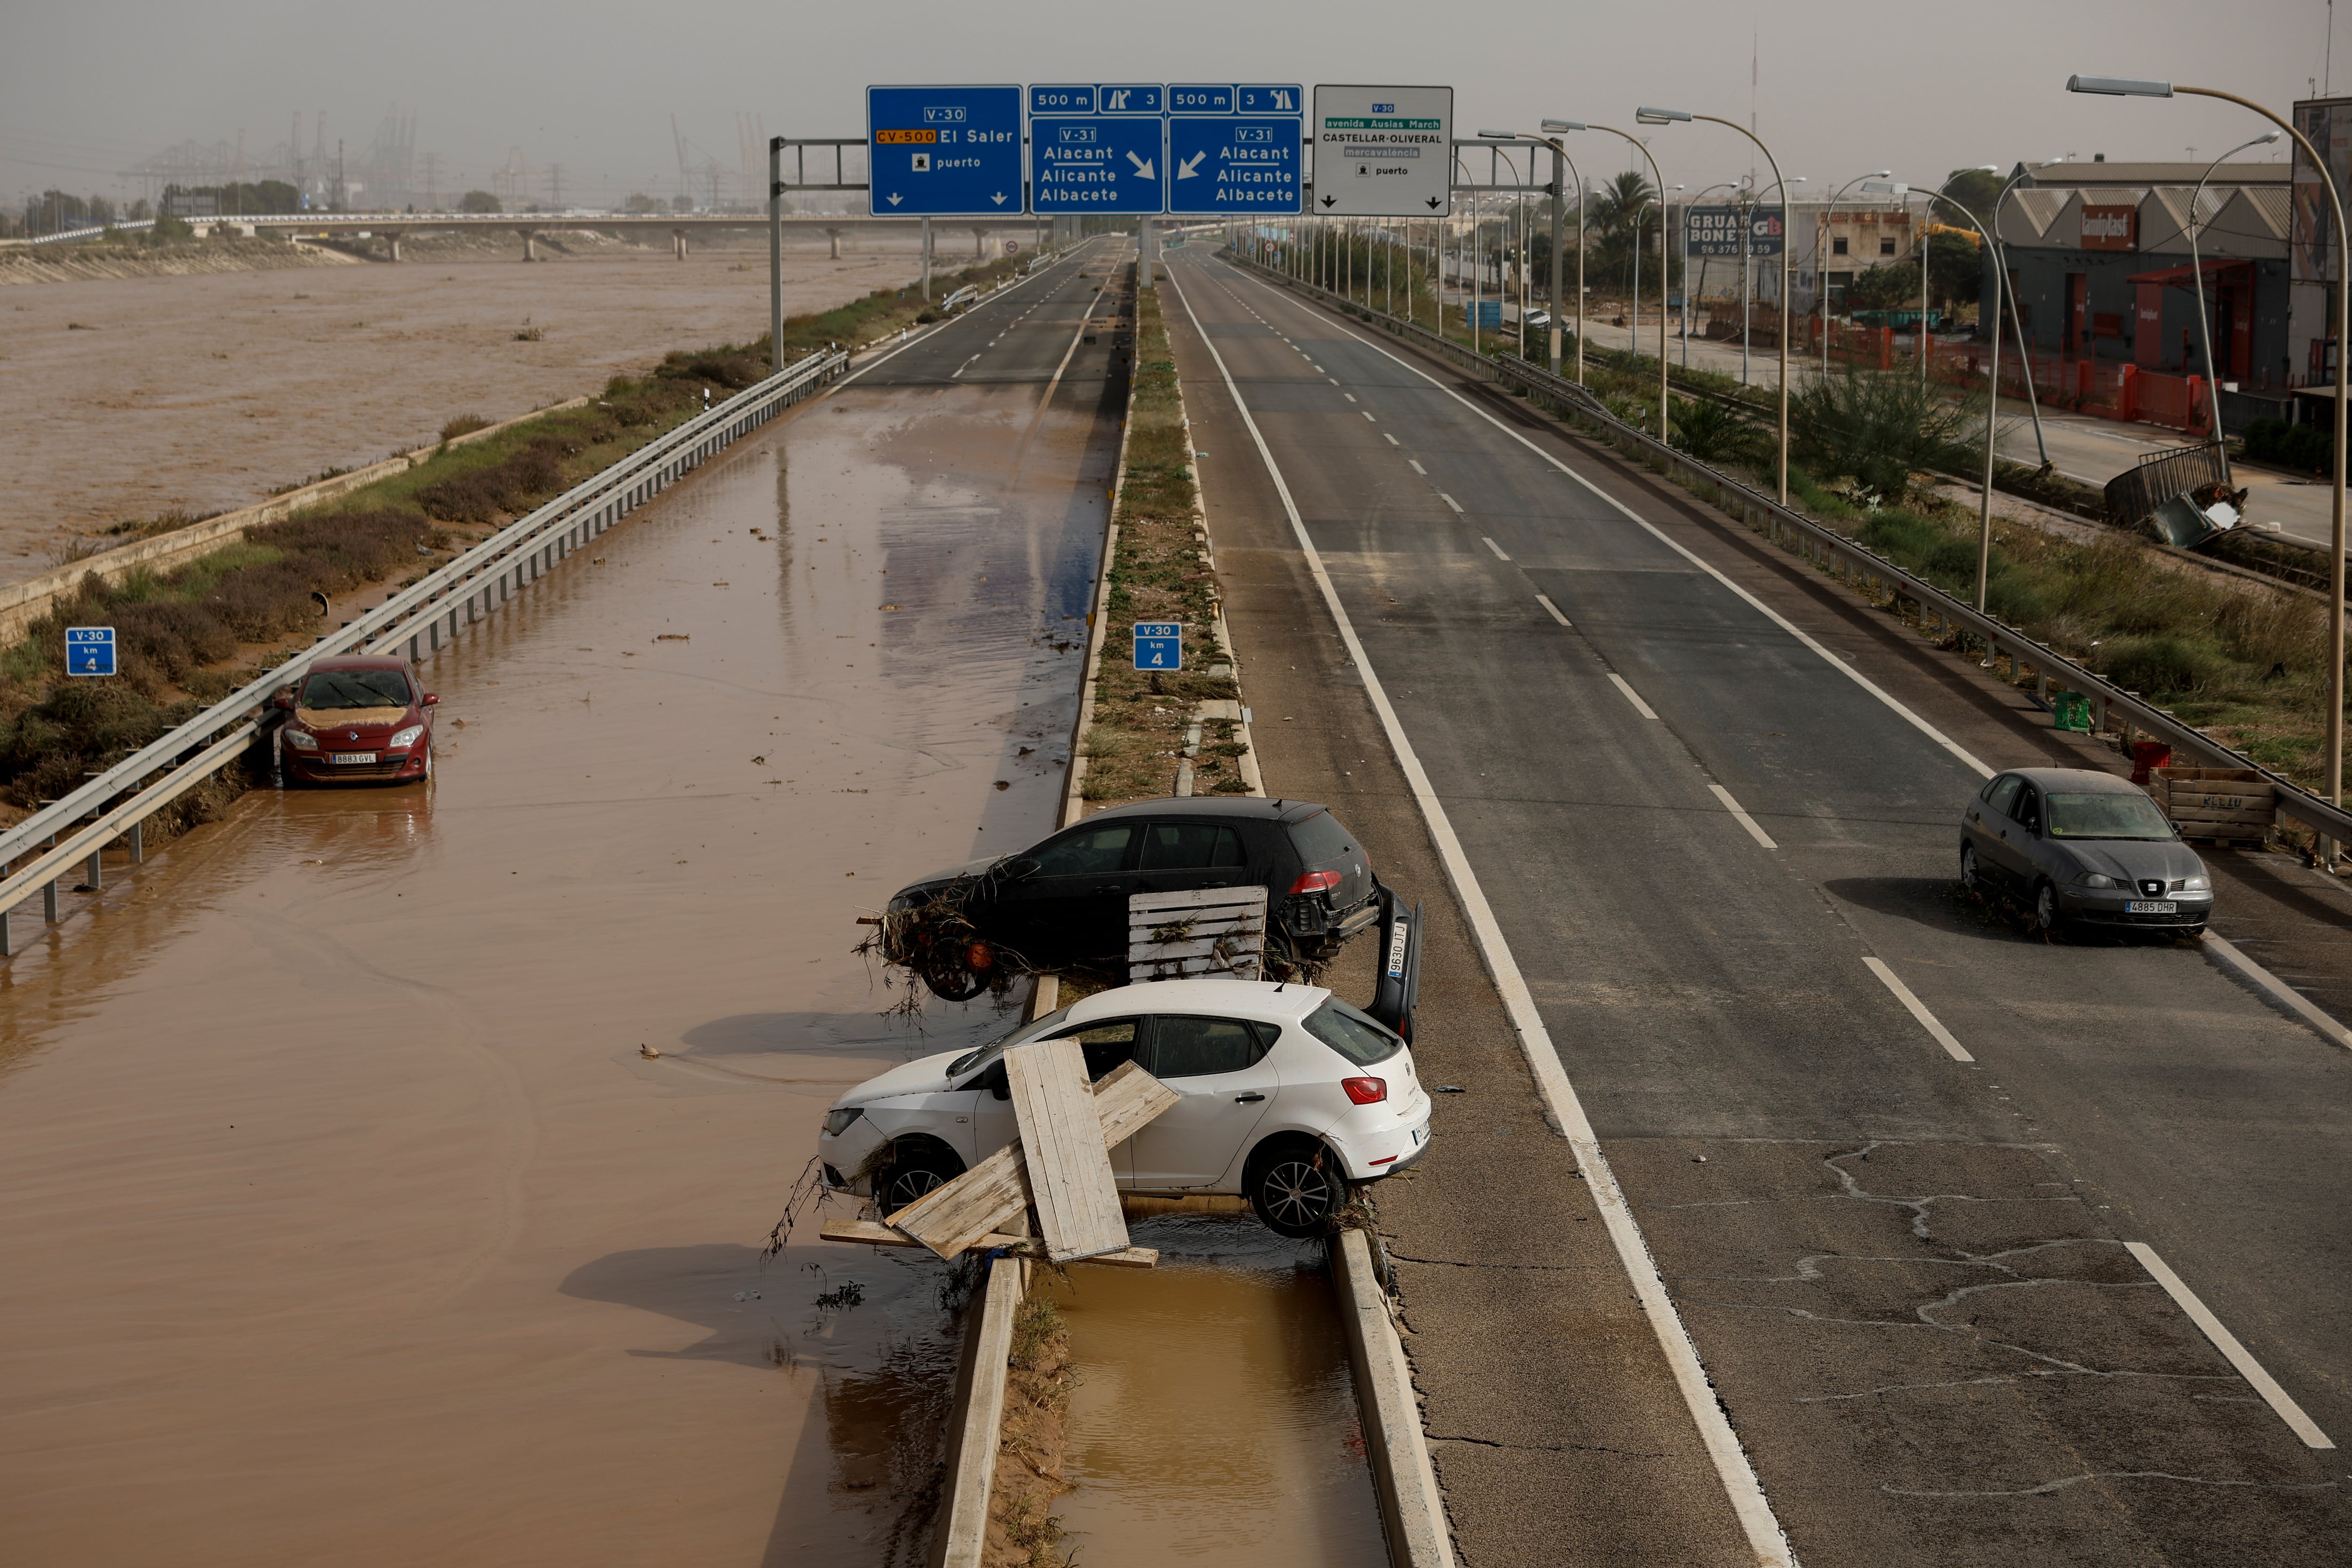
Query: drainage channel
[{"x": 1214, "y": 1414}]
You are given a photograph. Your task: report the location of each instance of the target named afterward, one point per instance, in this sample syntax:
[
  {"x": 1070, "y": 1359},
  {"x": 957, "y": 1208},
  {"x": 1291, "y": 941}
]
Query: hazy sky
[{"x": 1843, "y": 86}]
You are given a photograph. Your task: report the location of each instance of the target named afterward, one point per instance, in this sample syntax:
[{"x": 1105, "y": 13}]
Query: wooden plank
[
  {"x": 872, "y": 1233},
  {"x": 951, "y": 1217},
  {"x": 1069, "y": 1165},
  {"x": 1196, "y": 898}
]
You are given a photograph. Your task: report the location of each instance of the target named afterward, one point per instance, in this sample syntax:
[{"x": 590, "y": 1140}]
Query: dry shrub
[
  {"x": 512, "y": 486},
  {"x": 463, "y": 424}
]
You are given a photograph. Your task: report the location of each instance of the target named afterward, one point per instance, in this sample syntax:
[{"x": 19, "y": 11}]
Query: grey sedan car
[{"x": 2086, "y": 848}]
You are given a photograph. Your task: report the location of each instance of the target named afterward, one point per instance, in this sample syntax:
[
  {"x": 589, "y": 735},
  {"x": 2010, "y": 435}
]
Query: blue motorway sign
[
  {"x": 1159, "y": 645},
  {"x": 944, "y": 152},
  {"x": 1109, "y": 163},
  {"x": 1239, "y": 163},
  {"x": 90, "y": 651}
]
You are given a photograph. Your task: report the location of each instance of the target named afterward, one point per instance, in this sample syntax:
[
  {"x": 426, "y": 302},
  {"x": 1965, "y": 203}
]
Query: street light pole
[
  {"x": 1633, "y": 342},
  {"x": 2196, "y": 281},
  {"x": 1719, "y": 184},
  {"x": 1667, "y": 117},
  {"x": 1992, "y": 401},
  {"x": 1821, "y": 259},
  {"x": 2334, "y": 761}
]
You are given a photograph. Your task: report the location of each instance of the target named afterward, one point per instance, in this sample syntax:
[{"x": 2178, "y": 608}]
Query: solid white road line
[
  {"x": 1547, "y": 605},
  {"x": 2328, "y": 1027},
  {"x": 2227, "y": 1343},
  {"x": 1490, "y": 545},
  {"x": 1449, "y": 501},
  {"x": 1748, "y": 1504},
  {"x": 1632, "y": 696},
  {"x": 1918, "y": 1009},
  {"x": 1745, "y": 821},
  {"x": 1840, "y": 665}
]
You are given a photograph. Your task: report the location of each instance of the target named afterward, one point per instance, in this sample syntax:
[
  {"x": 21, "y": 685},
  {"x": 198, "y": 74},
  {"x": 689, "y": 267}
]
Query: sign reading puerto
[
  {"x": 1235, "y": 149},
  {"x": 90, "y": 651},
  {"x": 944, "y": 152},
  {"x": 1384, "y": 151}
]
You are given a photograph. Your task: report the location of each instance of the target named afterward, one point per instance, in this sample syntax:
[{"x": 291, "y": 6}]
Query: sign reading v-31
[
  {"x": 945, "y": 151},
  {"x": 1097, "y": 148}
]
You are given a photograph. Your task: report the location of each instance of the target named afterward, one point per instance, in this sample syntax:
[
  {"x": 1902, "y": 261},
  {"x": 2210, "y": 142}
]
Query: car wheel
[
  {"x": 949, "y": 970},
  {"x": 1970, "y": 877},
  {"x": 914, "y": 1169},
  {"x": 2048, "y": 918},
  {"x": 1296, "y": 1188}
]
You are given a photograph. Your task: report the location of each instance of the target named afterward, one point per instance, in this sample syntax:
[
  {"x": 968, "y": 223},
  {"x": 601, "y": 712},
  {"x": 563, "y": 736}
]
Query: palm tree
[{"x": 1617, "y": 207}]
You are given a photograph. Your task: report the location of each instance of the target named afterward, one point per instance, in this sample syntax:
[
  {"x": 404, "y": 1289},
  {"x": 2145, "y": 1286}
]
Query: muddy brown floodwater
[
  {"x": 129, "y": 397},
  {"x": 1215, "y": 1419},
  {"x": 346, "y": 1218}
]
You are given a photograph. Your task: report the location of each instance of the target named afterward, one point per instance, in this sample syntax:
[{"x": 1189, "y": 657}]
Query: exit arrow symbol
[
  {"x": 1432, "y": 202},
  {"x": 998, "y": 199},
  {"x": 1330, "y": 201},
  {"x": 894, "y": 201},
  {"x": 1143, "y": 166},
  {"x": 1186, "y": 168}
]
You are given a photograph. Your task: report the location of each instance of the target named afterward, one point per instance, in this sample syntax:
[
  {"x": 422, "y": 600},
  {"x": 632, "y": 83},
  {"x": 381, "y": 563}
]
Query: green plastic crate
[{"x": 2070, "y": 710}]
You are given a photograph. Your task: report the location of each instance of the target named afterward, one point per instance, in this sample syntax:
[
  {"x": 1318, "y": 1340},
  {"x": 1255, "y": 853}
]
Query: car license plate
[
  {"x": 351, "y": 756},
  {"x": 1418, "y": 1134},
  {"x": 2152, "y": 907}
]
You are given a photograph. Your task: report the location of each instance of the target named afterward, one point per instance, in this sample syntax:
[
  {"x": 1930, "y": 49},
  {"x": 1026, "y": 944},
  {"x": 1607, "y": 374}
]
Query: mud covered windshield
[
  {"x": 355, "y": 689},
  {"x": 989, "y": 1053},
  {"x": 2106, "y": 816}
]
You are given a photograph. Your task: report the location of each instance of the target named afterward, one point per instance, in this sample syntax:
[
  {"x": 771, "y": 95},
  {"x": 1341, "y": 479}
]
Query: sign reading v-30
[
  {"x": 945, "y": 151},
  {"x": 1097, "y": 148},
  {"x": 1383, "y": 152}
]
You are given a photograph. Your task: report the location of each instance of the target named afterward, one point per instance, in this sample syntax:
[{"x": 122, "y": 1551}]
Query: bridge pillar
[
  {"x": 392, "y": 239},
  {"x": 677, "y": 243},
  {"x": 979, "y": 244},
  {"x": 529, "y": 243},
  {"x": 834, "y": 235}
]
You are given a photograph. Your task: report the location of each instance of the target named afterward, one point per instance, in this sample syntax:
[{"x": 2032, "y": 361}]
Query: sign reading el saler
[
  {"x": 944, "y": 150},
  {"x": 1383, "y": 152}
]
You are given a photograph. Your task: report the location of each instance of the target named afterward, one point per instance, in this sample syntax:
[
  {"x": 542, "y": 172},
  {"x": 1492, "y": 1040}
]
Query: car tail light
[
  {"x": 1366, "y": 1090},
  {"x": 1314, "y": 882}
]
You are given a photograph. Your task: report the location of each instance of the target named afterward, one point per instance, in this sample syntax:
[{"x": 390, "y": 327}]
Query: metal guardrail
[
  {"x": 1827, "y": 548},
  {"x": 116, "y": 803},
  {"x": 965, "y": 298}
]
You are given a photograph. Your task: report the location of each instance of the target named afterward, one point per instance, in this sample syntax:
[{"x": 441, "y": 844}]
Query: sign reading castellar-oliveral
[{"x": 1383, "y": 152}]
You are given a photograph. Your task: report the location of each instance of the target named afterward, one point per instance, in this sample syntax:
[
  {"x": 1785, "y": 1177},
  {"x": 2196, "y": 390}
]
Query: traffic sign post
[
  {"x": 1159, "y": 645},
  {"x": 1383, "y": 152},
  {"x": 944, "y": 152},
  {"x": 1099, "y": 149},
  {"x": 1234, "y": 149},
  {"x": 90, "y": 651}
]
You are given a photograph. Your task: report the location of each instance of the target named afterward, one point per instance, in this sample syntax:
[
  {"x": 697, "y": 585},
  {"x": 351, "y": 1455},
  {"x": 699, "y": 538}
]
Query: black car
[{"x": 1062, "y": 903}]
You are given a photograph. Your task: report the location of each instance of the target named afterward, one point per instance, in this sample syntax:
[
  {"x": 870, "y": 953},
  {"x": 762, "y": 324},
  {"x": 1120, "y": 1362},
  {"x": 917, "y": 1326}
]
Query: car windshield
[
  {"x": 2106, "y": 816},
  {"x": 1352, "y": 1033},
  {"x": 355, "y": 689},
  {"x": 989, "y": 1053}
]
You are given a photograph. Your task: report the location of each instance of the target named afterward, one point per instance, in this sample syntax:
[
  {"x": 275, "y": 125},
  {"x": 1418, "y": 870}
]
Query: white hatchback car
[{"x": 1288, "y": 1095}]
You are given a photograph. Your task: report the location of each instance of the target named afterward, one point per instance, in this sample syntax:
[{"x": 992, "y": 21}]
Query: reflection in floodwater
[{"x": 1215, "y": 1418}]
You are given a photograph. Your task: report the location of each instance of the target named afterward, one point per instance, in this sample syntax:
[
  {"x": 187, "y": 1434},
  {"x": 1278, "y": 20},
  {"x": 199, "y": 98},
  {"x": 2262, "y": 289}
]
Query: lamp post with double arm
[
  {"x": 1659, "y": 181},
  {"x": 1648, "y": 116},
  {"x": 2333, "y": 745}
]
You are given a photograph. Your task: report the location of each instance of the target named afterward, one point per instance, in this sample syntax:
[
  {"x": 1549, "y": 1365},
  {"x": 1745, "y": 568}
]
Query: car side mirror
[
  {"x": 1021, "y": 869},
  {"x": 430, "y": 699},
  {"x": 283, "y": 700}
]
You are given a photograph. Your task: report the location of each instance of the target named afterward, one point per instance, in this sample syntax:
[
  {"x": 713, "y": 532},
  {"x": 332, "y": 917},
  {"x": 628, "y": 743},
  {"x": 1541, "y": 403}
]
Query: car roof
[
  {"x": 360, "y": 661},
  {"x": 2082, "y": 780},
  {"x": 1283, "y": 1001},
  {"x": 1247, "y": 807}
]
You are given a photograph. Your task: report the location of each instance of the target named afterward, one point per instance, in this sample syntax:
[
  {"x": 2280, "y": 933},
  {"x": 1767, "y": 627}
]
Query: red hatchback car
[{"x": 359, "y": 716}]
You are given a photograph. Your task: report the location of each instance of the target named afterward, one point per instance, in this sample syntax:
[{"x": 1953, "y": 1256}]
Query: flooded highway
[
  {"x": 352, "y": 1214},
  {"x": 1215, "y": 1419}
]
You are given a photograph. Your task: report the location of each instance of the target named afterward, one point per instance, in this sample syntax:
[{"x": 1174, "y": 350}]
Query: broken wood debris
[
  {"x": 873, "y": 1233},
  {"x": 1069, "y": 1166}
]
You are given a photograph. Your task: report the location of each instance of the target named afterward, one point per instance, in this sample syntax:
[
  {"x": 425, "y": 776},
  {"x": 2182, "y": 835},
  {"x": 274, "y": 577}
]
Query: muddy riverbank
[{"x": 133, "y": 397}]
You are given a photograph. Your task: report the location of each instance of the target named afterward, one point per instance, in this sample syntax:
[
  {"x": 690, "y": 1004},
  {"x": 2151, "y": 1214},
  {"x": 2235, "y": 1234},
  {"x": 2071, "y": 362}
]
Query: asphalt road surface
[{"x": 1712, "y": 804}]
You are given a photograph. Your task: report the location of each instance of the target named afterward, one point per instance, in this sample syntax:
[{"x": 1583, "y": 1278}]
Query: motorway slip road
[{"x": 1955, "y": 1219}]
